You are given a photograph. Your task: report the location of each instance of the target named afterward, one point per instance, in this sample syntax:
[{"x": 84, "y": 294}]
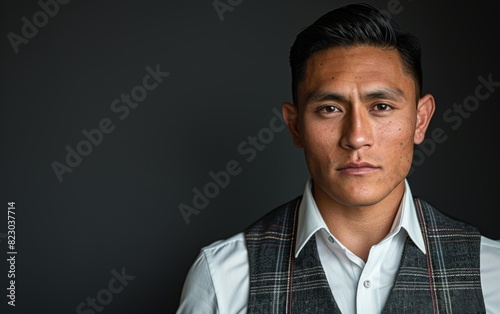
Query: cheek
[
  {"x": 405, "y": 153},
  {"x": 404, "y": 149},
  {"x": 319, "y": 141},
  {"x": 401, "y": 144},
  {"x": 320, "y": 135}
]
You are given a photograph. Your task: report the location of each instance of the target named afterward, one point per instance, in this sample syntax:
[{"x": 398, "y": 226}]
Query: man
[{"x": 356, "y": 241}]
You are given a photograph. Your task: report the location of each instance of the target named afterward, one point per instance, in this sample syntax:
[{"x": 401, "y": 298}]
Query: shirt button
[
  {"x": 330, "y": 238},
  {"x": 367, "y": 284}
]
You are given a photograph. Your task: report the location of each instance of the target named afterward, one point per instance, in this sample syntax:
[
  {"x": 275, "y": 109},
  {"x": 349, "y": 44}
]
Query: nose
[{"x": 357, "y": 130}]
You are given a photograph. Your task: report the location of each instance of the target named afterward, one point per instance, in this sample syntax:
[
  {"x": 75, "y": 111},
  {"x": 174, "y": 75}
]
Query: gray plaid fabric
[{"x": 445, "y": 281}]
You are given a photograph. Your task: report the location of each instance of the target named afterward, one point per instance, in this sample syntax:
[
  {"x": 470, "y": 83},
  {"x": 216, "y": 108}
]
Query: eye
[
  {"x": 328, "y": 109},
  {"x": 383, "y": 107}
]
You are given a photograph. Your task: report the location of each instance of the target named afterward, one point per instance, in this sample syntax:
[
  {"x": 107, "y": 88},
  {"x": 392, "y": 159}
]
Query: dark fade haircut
[{"x": 353, "y": 25}]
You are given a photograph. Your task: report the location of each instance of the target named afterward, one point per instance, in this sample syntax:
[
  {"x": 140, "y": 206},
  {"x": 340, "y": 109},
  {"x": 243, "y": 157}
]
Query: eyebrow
[{"x": 394, "y": 94}]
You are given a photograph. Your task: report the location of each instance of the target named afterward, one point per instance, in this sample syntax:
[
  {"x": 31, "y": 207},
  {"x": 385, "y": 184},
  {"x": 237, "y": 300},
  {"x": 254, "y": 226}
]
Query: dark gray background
[{"x": 119, "y": 207}]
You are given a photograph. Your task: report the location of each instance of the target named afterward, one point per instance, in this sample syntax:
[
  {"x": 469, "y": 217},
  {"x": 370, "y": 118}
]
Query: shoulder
[
  {"x": 490, "y": 254},
  {"x": 217, "y": 281},
  {"x": 220, "y": 250},
  {"x": 234, "y": 247},
  {"x": 490, "y": 273},
  {"x": 490, "y": 243}
]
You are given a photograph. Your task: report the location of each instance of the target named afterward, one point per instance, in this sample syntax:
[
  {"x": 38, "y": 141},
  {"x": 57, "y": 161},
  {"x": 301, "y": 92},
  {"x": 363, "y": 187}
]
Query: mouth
[{"x": 357, "y": 168}]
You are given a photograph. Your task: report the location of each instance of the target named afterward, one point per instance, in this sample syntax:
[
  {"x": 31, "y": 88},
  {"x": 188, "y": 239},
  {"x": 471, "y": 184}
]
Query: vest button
[{"x": 367, "y": 284}]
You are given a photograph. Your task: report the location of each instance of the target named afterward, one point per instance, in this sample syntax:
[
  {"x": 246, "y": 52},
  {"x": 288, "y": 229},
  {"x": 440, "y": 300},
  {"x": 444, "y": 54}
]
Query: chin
[
  {"x": 354, "y": 194},
  {"x": 352, "y": 198}
]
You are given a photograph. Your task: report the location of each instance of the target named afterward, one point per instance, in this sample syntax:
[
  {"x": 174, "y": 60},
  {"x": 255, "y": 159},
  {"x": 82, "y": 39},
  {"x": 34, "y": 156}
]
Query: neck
[{"x": 360, "y": 227}]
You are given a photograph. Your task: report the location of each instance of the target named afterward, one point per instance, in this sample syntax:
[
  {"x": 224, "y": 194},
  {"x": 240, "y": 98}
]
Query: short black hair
[{"x": 352, "y": 25}]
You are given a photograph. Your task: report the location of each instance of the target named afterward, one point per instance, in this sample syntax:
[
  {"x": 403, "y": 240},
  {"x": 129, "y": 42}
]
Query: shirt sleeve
[
  {"x": 490, "y": 274},
  {"x": 198, "y": 293}
]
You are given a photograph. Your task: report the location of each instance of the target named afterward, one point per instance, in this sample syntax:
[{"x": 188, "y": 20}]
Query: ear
[
  {"x": 290, "y": 114},
  {"x": 425, "y": 110}
]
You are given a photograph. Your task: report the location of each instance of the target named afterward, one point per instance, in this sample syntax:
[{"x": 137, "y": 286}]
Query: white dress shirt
[{"x": 218, "y": 280}]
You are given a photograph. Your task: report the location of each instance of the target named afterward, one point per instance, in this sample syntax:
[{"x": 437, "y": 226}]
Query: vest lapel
[
  {"x": 446, "y": 279},
  {"x": 311, "y": 291},
  {"x": 279, "y": 283}
]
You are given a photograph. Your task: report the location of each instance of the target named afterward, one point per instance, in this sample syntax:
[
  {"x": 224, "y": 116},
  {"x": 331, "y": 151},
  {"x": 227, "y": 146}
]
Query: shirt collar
[{"x": 310, "y": 219}]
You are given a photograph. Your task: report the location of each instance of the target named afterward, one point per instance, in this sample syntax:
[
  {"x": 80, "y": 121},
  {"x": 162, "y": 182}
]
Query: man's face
[{"x": 357, "y": 120}]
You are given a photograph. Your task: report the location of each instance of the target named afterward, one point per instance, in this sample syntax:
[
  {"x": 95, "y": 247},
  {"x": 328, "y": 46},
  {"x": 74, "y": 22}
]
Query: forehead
[{"x": 359, "y": 68}]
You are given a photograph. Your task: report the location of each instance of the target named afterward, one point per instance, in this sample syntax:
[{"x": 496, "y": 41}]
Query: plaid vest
[{"x": 445, "y": 280}]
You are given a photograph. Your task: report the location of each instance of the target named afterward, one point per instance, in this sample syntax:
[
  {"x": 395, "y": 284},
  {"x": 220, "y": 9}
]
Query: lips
[{"x": 358, "y": 168}]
